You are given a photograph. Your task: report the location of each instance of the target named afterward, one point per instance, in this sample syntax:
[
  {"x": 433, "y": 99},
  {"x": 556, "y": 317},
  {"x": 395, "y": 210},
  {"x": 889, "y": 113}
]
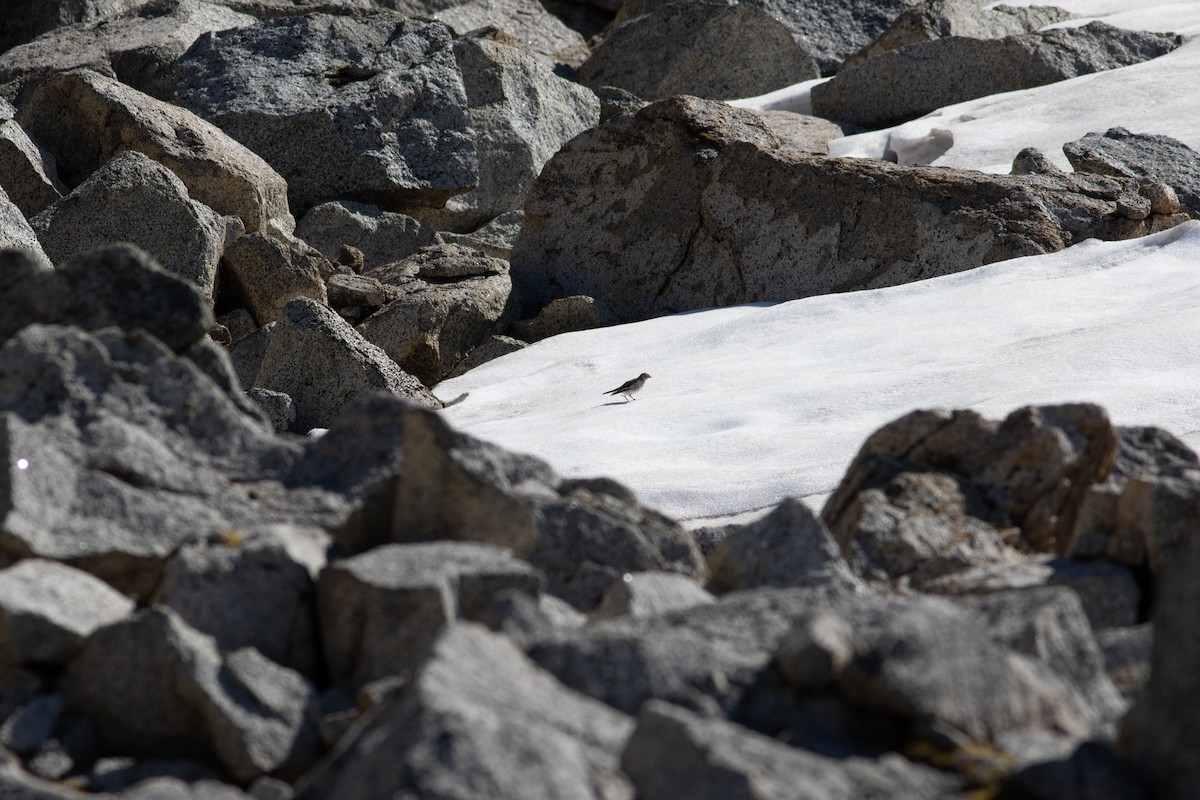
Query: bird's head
[{"x": 644, "y": 375}]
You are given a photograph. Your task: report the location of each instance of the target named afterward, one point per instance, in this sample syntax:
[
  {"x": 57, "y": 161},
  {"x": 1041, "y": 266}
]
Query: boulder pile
[{"x": 225, "y": 224}]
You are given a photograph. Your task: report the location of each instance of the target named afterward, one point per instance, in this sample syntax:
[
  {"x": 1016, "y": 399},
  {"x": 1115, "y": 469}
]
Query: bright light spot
[
  {"x": 22, "y": 463},
  {"x": 627, "y": 578}
]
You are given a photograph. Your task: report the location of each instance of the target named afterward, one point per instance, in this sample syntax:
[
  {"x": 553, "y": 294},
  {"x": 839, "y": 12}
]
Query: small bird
[{"x": 631, "y": 387}]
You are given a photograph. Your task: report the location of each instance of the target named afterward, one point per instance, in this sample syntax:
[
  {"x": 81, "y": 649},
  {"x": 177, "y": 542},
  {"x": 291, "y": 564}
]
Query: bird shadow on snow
[{"x": 614, "y": 403}]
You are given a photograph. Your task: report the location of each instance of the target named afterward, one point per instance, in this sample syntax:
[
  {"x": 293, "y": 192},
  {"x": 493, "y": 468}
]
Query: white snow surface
[
  {"x": 750, "y": 404},
  {"x": 986, "y": 134}
]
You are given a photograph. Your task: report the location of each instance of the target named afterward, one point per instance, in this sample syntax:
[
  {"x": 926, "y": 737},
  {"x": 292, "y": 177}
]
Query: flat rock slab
[
  {"x": 692, "y": 204},
  {"x": 86, "y": 118},
  {"x": 374, "y": 107}
]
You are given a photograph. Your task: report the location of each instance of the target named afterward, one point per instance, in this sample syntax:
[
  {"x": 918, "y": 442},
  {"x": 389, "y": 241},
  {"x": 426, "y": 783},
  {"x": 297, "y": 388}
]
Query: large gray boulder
[
  {"x": 16, "y": 234},
  {"x": 382, "y": 611},
  {"x": 154, "y": 686},
  {"x": 522, "y": 113},
  {"x": 690, "y": 204},
  {"x": 28, "y": 18},
  {"x": 936, "y": 19},
  {"x": 1029, "y": 472},
  {"x": 27, "y": 172},
  {"x": 86, "y": 118},
  {"x": 136, "y": 200},
  {"x": 374, "y": 107},
  {"x": 830, "y": 30},
  {"x": 448, "y": 300},
  {"x": 675, "y": 754},
  {"x": 672, "y": 49},
  {"x": 479, "y": 720},
  {"x": 323, "y": 364},
  {"x": 913, "y": 80},
  {"x": 135, "y": 40},
  {"x": 789, "y": 547},
  {"x": 47, "y": 610},
  {"x": 1143, "y": 156},
  {"x": 254, "y": 589}
]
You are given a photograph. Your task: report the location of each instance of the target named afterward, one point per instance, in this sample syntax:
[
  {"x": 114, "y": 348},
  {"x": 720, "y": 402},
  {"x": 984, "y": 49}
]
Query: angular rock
[
  {"x": 375, "y": 108},
  {"x": 831, "y": 30},
  {"x": 264, "y": 273},
  {"x": 278, "y": 408},
  {"x": 707, "y": 658},
  {"x": 16, "y": 234},
  {"x": 936, "y": 19},
  {"x": 85, "y": 119},
  {"x": 252, "y": 590},
  {"x": 689, "y": 204},
  {"x": 154, "y": 686},
  {"x": 789, "y": 547},
  {"x": 1148, "y": 500},
  {"x": 905, "y": 83},
  {"x": 358, "y": 291},
  {"x": 803, "y": 133},
  {"x": 670, "y": 50},
  {"x": 522, "y": 114},
  {"x": 450, "y": 300},
  {"x": 494, "y": 239},
  {"x": 48, "y": 609},
  {"x": 562, "y": 315},
  {"x": 1127, "y": 653},
  {"x": 525, "y": 21},
  {"x": 18, "y": 784},
  {"x": 134, "y": 40},
  {"x": 136, "y": 200},
  {"x": 382, "y": 611},
  {"x": 314, "y": 356},
  {"x": 27, "y": 172},
  {"x": 32, "y": 724},
  {"x": 118, "y": 286},
  {"x": 384, "y": 237},
  {"x": 933, "y": 663},
  {"x": 1110, "y": 592},
  {"x": 645, "y": 594},
  {"x": 28, "y": 18},
  {"x": 1030, "y": 471},
  {"x": 582, "y": 535},
  {"x": 1144, "y": 156},
  {"x": 478, "y": 719},
  {"x": 178, "y": 789},
  {"x": 676, "y": 753}
]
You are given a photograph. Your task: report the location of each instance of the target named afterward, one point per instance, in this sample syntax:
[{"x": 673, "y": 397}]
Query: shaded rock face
[
  {"x": 937, "y": 19},
  {"x": 670, "y": 51},
  {"x": 17, "y": 235},
  {"x": 522, "y": 113},
  {"x": 1029, "y": 472},
  {"x": 374, "y": 110},
  {"x": 136, "y": 200},
  {"x": 690, "y": 204},
  {"x": 478, "y": 719},
  {"x": 135, "y": 40},
  {"x": 85, "y": 119},
  {"x": 27, "y": 171},
  {"x": 1142, "y": 156},
  {"x": 913, "y": 80},
  {"x": 383, "y": 237},
  {"x": 831, "y": 30},
  {"x": 525, "y": 21}
]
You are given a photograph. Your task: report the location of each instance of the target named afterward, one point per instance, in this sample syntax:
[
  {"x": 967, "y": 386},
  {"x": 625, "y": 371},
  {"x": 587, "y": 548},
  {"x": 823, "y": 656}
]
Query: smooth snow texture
[
  {"x": 986, "y": 134},
  {"x": 750, "y": 404}
]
